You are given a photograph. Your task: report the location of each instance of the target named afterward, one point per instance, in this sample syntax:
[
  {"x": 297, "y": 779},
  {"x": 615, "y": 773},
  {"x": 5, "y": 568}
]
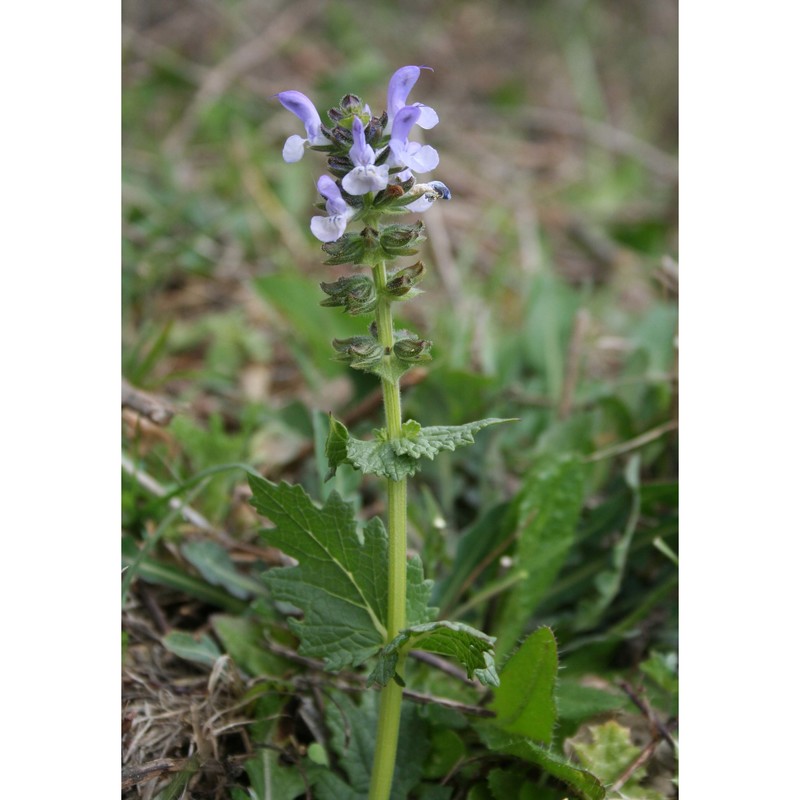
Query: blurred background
[{"x": 551, "y": 292}]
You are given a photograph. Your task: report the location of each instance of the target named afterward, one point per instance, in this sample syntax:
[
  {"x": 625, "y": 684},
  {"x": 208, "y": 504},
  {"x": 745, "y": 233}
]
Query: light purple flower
[
  {"x": 365, "y": 176},
  {"x": 400, "y": 85},
  {"x": 303, "y": 108},
  {"x": 412, "y": 155},
  {"x": 332, "y": 227}
]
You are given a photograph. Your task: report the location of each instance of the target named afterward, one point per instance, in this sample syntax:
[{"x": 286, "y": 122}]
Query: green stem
[{"x": 392, "y": 694}]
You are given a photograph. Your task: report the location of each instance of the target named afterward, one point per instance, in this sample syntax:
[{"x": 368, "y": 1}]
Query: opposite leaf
[
  {"x": 525, "y": 700},
  {"x": 467, "y": 645},
  {"x": 398, "y": 458}
]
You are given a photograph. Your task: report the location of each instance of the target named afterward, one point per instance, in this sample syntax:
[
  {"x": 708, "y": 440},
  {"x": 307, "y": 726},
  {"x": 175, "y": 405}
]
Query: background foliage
[{"x": 550, "y": 297}]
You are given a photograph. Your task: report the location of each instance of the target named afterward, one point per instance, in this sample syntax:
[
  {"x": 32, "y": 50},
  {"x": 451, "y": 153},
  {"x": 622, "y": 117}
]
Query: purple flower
[
  {"x": 365, "y": 176},
  {"x": 400, "y": 86},
  {"x": 412, "y": 155},
  {"x": 332, "y": 227},
  {"x": 303, "y": 108}
]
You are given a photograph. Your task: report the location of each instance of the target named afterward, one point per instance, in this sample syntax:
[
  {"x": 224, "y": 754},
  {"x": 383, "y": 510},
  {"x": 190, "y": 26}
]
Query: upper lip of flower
[
  {"x": 400, "y": 85},
  {"x": 304, "y": 110}
]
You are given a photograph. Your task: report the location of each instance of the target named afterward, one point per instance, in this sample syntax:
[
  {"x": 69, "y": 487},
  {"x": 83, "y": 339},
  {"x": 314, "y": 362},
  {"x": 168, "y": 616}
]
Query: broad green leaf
[
  {"x": 352, "y": 731},
  {"x": 340, "y": 583},
  {"x": 583, "y": 784},
  {"x": 547, "y": 510},
  {"x": 524, "y": 701},
  {"x": 201, "y": 651},
  {"x": 213, "y": 562},
  {"x": 577, "y": 702},
  {"x": 398, "y": 458},
  {"x": 242, "y": 639},
  {"x": 272, "y": 780},
  {"x": 471, "y": 647}
]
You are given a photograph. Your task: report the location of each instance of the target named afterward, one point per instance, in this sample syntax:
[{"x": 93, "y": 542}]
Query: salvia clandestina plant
[{"x": 362, "y": 599}]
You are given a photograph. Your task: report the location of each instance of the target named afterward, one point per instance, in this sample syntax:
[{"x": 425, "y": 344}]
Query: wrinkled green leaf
[
  {"x": 341, "y": 582},
  {"x": 471, "y": 647},
  {"x": 525, "y": 700},
  {"x": 398, "y": 458},
  {"x": 547, "y": 510},
  {"x": 201, "y": 651},
  {"x": 584, "y": 785}
]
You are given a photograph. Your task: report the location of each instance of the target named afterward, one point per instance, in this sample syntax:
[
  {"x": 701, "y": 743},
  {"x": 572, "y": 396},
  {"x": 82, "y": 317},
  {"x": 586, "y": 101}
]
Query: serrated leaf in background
[
  {"x": 547, "y": 510},
  {"x": 583, "y": 784},
  {"x": 525, "y": 699}
]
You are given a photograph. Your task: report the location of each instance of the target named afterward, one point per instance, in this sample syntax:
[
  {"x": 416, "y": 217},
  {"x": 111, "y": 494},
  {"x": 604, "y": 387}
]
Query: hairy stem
[{"x": 392, "y": 694}]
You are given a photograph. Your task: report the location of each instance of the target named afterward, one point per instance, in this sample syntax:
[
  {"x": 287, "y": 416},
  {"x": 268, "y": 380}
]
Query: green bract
[{"x": 397, "y": 458}]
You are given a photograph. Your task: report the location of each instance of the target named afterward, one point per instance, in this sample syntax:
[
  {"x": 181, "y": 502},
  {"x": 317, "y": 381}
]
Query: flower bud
[
  {"x": 373, "y": 132},
  {"x": 340, "y": 165},
  {"x": 410, "y": 349},
  {"x": 347, "y": 250},
  {"x": 342, "y": 136},
  {"x": 355, "y": 293},
  {"x": 360, "y": 352},
  {"x": 350, "y": 104},
  {"x": 401, "y": 282},
  {"x": 402, "y": 240}
]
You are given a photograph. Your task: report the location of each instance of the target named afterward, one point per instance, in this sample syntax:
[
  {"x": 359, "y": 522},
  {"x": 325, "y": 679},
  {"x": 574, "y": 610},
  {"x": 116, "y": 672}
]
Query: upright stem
[{"x": 392, "y": 693}]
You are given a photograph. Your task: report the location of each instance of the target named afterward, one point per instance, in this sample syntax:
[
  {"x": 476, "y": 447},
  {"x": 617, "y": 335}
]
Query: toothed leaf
[
  {"x": 470, "y": 647},
  {"x": 341, "y": 582}
]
